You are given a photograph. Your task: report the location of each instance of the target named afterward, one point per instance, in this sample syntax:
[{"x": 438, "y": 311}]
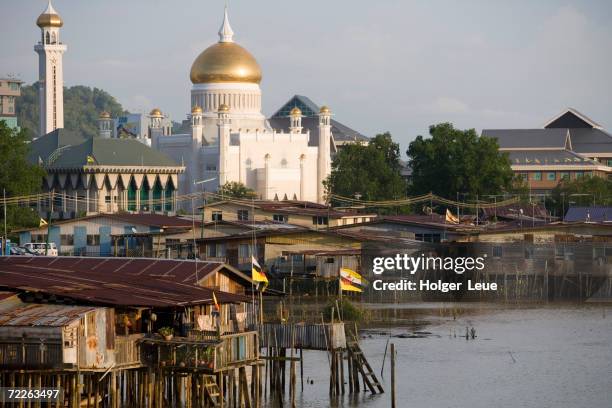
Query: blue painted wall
[
  {"x": 54, "y": 236},
  {"x": 80, "y": 240},
  {"x": 105, "y": 241},
  {"x": 25, "y": 237}
]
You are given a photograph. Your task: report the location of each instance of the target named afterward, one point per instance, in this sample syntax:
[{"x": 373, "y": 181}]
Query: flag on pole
[
  {"x": 350, "y": 281},
  {"x": 42, "y": 223},
  {"x": 450, "y": 217},
  {"x": 347, "y": 286},
  {"x": 217, "y": 307},
  {"x": 352, "y": 276},
  {"x": 257, "y": 274}
]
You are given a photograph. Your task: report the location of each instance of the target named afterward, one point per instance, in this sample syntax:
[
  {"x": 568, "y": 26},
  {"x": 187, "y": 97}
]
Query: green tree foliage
[
  {"x": 234, "y": 189},
  {"x": 17, "y": 176},
  {"x": 585, "y": 192},
  {"x": 82, "y": 106},
  {"x": 371, "y": 170},
  {"x": 455, "y": 161}
]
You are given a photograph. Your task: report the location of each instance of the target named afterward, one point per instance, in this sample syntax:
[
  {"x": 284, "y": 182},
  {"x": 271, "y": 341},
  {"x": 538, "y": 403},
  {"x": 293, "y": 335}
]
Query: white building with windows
[{"x": 231, "y": 139}]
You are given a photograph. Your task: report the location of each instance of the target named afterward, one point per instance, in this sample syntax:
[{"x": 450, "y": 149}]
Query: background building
[
  {"x": 10, "y": 89},
  {"x": 103, "y": 175},
  {"x": 138, "y": 125},
  {"x": 342, "y": 134},
  {"x": 569, "y": 146}
]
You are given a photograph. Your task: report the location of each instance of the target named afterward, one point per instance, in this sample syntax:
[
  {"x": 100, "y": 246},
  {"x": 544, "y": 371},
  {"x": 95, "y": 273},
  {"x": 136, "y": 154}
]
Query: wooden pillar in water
[{"x": 392, "y": 375}]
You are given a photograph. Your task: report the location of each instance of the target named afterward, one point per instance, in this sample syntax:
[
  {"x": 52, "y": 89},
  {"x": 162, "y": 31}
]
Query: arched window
[
  {"x": 53, "y": 38},
  {"x": 47, "y": 41}
]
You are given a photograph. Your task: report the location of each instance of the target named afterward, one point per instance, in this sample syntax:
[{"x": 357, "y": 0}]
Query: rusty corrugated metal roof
[
  {"x": 6, "y": 294},
  {"x": 32, "y": 314},
  {"x": 115, "y": 281}
]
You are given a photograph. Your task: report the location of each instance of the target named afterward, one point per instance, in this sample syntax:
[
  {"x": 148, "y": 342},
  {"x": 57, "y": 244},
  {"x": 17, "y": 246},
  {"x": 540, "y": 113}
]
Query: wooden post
[
  {"x": 341, "y": 358},
  {"x": 220, "y": 382},
  {"x": 301, "y": 369},
  {"x": 96, "y": 390},
  {"x": 292, "y": 382},
  {"x": 392, "y": 375}
]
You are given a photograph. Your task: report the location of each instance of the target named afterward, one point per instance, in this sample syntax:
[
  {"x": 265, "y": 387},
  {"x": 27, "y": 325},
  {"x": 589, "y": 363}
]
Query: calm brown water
[{"x": 538, "y": 356}]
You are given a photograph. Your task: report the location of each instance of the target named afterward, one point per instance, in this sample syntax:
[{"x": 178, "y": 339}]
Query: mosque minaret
[
  {"x": 232, "y": 141},
  {"x": 51, "y": 72}
]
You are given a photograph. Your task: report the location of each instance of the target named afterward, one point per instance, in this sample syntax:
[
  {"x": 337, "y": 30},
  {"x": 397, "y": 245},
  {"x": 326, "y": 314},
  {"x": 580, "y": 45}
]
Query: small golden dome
[
  {"x": 225, "y": 62},
  {"x": 223, "y": 108},
  {"x": 324, "y": 109},
  {"x": 156, "y": 113},
  {"x": 295, "y": 111},
  {"x": 49, "y": 18},
  {"x": 196, "y": 109},
  {"x": 105, "y": 115}
]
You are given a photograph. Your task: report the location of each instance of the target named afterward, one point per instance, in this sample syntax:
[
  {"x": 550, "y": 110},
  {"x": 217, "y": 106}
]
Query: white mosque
[{"x": 232, "y": 141}]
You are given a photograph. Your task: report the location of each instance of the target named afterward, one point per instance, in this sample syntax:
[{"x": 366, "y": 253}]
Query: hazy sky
[{"x": 380, "y": 65}]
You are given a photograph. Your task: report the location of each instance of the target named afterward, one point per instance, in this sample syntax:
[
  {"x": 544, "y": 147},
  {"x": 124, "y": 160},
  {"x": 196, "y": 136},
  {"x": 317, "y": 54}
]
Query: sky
[{"x": 384, "y": 65}]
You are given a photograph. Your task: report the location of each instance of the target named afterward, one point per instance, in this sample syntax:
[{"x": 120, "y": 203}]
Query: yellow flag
[
  {"x": 90, "y": 160},
  {"x": 257, "y": 274},
  {"x": 217, "y": 307},
  {"x": 42, "y": 223},
  {"x": 347, "y": 286},
  {"x": 352, "y": 276},
  {"x": 450, "y": 217}
]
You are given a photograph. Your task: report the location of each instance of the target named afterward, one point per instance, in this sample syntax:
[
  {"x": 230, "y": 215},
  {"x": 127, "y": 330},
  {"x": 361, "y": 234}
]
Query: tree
[
  {"x": 234, "y": 189},
  {"x": 17, "y": 176},
  {"x": 586, "y": 192},
  {"x": 82, "y": 107},
  {"x": 372, "y": 170},
  {"x": 456, "y": 161}
]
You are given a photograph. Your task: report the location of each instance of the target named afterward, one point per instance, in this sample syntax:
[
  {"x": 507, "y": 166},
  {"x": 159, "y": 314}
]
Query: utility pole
[
  {"x": 49, "y": 222},
  {"x": 458, "y": 207},
  {"x": 4, "y": 246}
]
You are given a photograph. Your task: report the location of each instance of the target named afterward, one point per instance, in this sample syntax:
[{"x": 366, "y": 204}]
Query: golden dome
[
  {"x": 223, "y": 108},
  {"x": 49, "y": 18},
  {"x": 196, "y": 109},
  {"x": 324, "y": 109},
  {"x": 295, "y": 111},
  {"x": 156, "y": 112},
  {"x": 225, "y": 62},
  {"x": 105, "y": 115}
]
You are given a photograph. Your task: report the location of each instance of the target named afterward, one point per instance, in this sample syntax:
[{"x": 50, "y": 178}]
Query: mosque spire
[
  {"x": 50, "y": 9},
  {"x": 225, "y": 32}
]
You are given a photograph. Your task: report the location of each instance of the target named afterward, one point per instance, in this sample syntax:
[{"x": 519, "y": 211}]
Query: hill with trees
[{"x": 82, "y": 106}]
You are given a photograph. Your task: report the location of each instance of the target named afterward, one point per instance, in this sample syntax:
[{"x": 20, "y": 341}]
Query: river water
[{"x": 534, "y": 356}]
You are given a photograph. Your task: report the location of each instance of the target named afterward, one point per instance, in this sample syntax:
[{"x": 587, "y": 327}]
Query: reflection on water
[{"x": 538, "y": 356}]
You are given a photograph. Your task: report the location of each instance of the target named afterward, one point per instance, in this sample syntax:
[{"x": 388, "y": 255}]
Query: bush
[{"x": 348, "y": 311}]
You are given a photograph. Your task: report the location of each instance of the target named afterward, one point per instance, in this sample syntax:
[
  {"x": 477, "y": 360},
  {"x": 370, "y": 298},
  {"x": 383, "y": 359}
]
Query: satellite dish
[{"x": 134, "y": 230}]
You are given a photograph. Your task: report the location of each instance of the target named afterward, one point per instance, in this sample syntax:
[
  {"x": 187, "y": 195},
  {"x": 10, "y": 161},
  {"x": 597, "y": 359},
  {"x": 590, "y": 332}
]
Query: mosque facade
[{"x": 232, "y": 141}]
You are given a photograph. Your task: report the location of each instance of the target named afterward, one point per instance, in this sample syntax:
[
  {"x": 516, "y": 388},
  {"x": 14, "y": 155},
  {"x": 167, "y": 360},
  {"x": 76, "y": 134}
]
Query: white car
[{"x": 42, "y": 248}]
